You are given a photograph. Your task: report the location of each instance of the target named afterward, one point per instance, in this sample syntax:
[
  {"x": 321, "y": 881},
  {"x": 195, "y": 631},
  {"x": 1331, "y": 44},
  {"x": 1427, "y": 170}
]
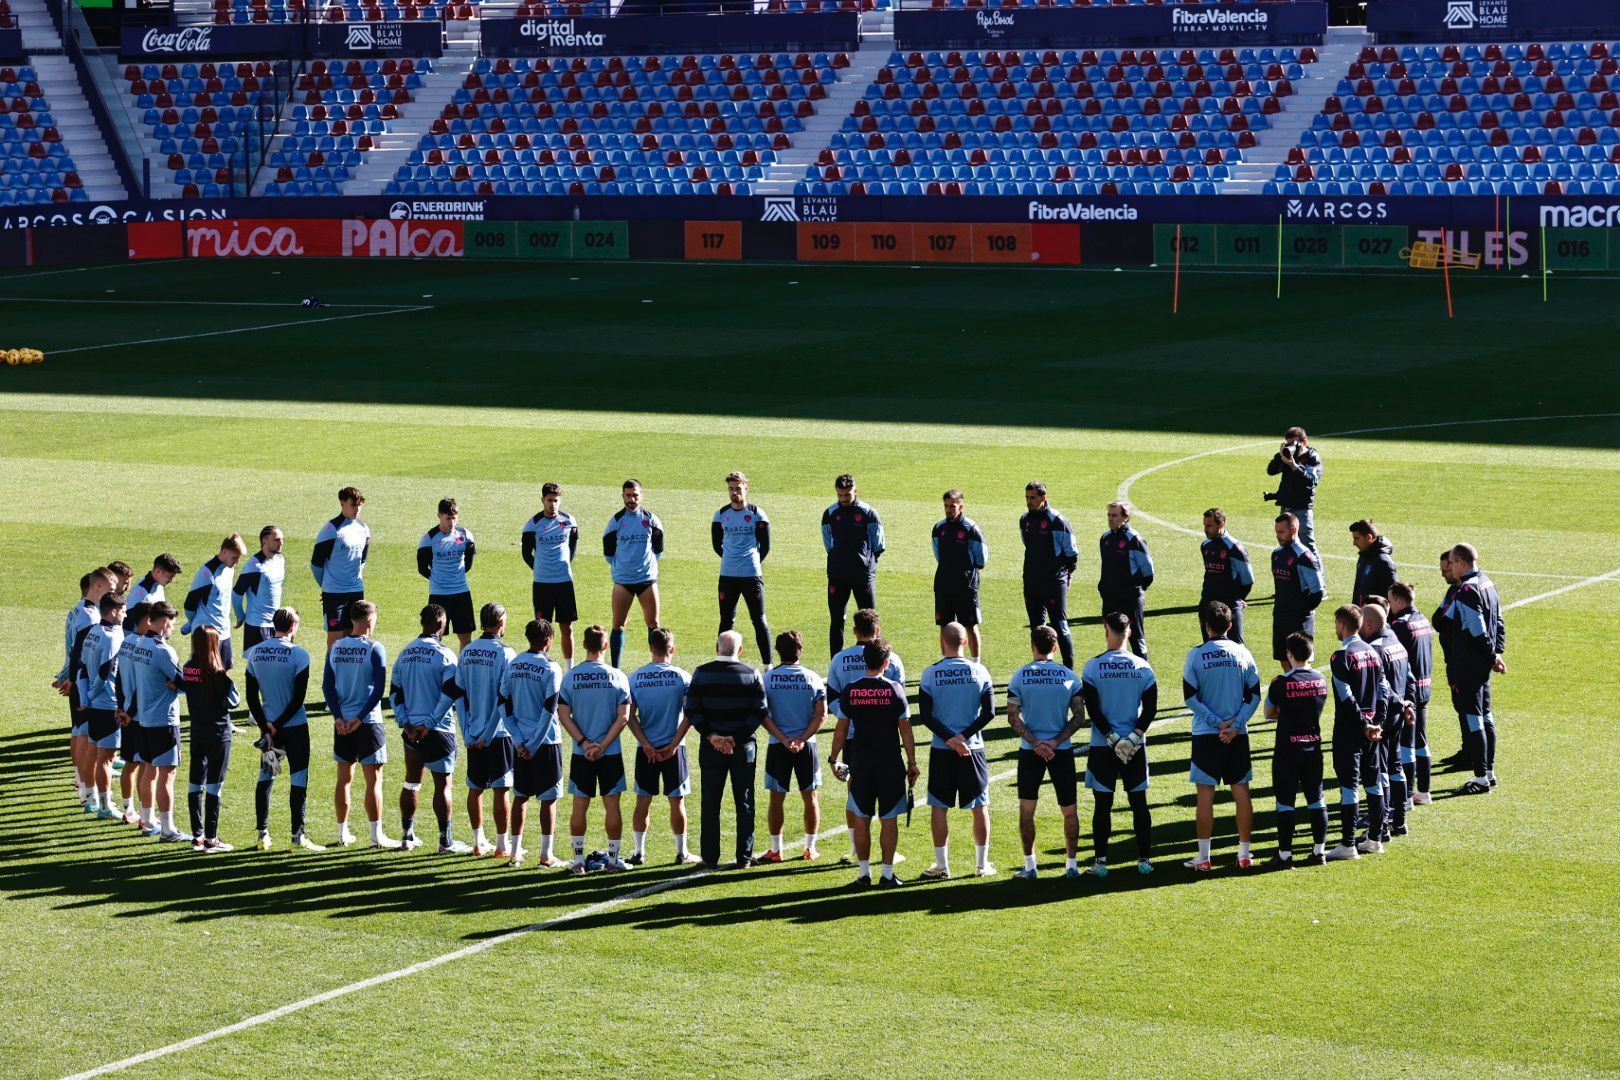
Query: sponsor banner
[
  {"x": 388, "y": 238},
  {"x": 1492, "y": 20},
  {"x": 240, "y": 238},
  {"x": 544, "y": 240},
  {"x": 1196, "y": 244},
  {"x": 284, "y": 40},
  {"x": 883, "y": 242},
  {"x": 706, "y": 240},
  {"x": 1374, "y": 245},
  {"x": 601, "y": 240},
  {"x": 1055, "y": 245},
  {"x": 1578, "y": 249},
  {"x": 490, "y": 239},
  {"x": 11, "y": 46},
  {"x": 1302, "y": 22},
  {"x": 587, "y": 35},
  {"x": 948, "y": 242},
  {"x": 1001, "y": 244},
  {"x": 826, "y": 241},
  {"x": 155, "y": 240}
]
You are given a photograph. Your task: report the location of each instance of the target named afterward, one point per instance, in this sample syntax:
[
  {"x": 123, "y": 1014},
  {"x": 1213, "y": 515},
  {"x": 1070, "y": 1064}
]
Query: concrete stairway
[{"x": 830, "y": 111}]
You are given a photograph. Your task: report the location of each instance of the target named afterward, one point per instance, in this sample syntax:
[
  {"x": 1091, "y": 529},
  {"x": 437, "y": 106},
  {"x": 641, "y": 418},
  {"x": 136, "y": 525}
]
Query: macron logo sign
[
  {"x": 1039, "y": 211},
  {"x": 1580, "y": 217}
]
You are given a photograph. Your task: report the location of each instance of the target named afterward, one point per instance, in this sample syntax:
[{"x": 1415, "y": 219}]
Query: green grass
[{"x": 1484, "y": 940}]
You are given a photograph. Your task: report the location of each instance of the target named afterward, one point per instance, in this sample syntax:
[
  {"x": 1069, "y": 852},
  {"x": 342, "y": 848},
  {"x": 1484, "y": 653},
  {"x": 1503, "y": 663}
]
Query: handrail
[{"x": 99, "y": 82}]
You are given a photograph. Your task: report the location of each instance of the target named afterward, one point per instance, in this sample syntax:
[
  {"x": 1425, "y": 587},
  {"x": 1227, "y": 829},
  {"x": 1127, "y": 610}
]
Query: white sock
[
  {"x": 1029, "y": 862},
  {"x": 776, "y": 842},
  {"x": 515, "y": 840},
  {"x": 1243, "y": 849},
  {"x": 104, "y": 798},
  {"x": 1071, "y": 863},
  {"x": 546, "y": 840},
  {"x": 810, "y": 841},
  {"x": 866, "y": 867},
  {"x": 680, "y": 845},
  {"x": 148, "y": 816},
  {"x": 1285, "y": 856},
  {"x": 613, "y": 849},
  {"x": 981, "y": 854},
  {"x": 1318, "y": 849},
  {"x": 500, "y": 843},
  {"x": 852, "y": 846},
  {"x": 343, "y": 826},
  {"x": 888, "y": 869},
  {"x": 479, "y": 838},
  {"x": 568, "y": 663},
  {"x": 166, "y": 820},
  {"x": 579, "y": 848},
  {"x": 640, "y": 841},
  {"x": 129, "y": 805},
  {"x": 942, "y": 857},
  {"x": 376, "y": 831},
  {"x": 1203, "y": 850}
]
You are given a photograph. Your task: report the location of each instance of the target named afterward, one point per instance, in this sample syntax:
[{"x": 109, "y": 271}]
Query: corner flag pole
[
  {"x": 1279, "y": 256},
  {"x": 1445, "y": 261},
  {"x": 1543, "y": 266},
  {"x": 1175, "y": 292}
]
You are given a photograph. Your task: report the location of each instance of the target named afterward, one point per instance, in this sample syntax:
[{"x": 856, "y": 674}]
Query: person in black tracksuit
[
  {"x": 853, "y": 536},
  {"x": 1300, "y": 468},
  {"x": 210, "y": 697},
  {"x": 725, "y": 703},
  {"x": 1125, "y": 573},
  {"x": 1375, "y": 565}
]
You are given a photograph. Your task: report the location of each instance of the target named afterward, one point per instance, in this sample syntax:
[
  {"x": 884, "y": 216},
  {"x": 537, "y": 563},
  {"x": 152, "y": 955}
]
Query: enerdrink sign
[{"x": 390, "y": 238}]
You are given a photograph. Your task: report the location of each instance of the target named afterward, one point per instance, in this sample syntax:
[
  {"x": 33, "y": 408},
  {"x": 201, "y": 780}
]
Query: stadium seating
[
  {"x": 242, "y": 12},
  {"x": 34, "y": 163},
  {"x": 199, "y": 114},
  {"x": 1523, "y": 119},
  {"x": 1137, "y": 121},
  {"x": 341, "y": 108},
  {"x": 639, "y": 125}
]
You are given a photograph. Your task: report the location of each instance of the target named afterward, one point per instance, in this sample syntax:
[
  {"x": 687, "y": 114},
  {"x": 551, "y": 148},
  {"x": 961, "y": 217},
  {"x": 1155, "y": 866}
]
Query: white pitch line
[
  {"x": 241, "y": 330},
  {"x": 427, "y": 965},
  {"x": 180, "y": 303},
  {"x": 1124, "y": 490},
  {"x": 1583, "y": 583}
]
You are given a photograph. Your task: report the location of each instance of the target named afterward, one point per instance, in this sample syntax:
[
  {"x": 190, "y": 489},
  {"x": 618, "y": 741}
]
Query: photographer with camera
[{"x": 1301, "y": 470}]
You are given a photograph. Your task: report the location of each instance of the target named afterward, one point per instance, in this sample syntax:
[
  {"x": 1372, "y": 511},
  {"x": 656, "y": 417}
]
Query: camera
[{"x": 1269, "y": 496}]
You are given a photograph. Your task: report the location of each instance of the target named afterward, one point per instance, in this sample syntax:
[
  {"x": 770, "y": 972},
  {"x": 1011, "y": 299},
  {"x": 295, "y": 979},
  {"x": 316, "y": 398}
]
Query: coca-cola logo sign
[
  {"x": 191, "y": 39},
  {"x": 261, "y": 238}
]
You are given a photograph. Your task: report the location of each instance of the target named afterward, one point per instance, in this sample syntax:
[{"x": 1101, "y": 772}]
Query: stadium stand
[
  {"x": 1128, "y": 122},
  {"x": 341, "y": 110},
  {"x": 1516, "y": 119},
  {"x": 244, "y": 12},
  {"x": 199, "y": 115},
  {"x": 637, "y": 125},
  {"x": 35, "y": 166}
]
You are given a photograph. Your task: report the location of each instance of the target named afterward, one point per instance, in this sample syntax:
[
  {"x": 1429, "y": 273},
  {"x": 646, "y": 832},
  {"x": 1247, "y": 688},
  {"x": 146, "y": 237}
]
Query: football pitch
[{"x": 181, "y": 401}]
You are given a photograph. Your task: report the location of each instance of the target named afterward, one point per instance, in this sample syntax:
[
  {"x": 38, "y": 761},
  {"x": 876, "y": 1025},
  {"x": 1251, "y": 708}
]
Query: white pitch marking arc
[
  {"x": 241, "y": 330},
  {"x": 427, "y": 965},
  {"x": 1125, "y": 485}
]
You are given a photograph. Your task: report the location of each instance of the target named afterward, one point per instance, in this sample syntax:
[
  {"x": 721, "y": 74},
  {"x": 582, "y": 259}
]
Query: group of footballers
[{"x": 514, "y": 706}]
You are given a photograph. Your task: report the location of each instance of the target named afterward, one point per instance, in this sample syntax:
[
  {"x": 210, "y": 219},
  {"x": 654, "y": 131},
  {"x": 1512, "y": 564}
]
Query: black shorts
[
  {"x": 956, "y": 602},
  {"x": 335, "y": 609},
  {"x": 783, "y": 767},
  {"x": 252, "y": 635},
  {"x": 877, "y": 789},
  {"x": 74, "y": 719},
  {"x": 1104, "y": 770},
  {"x": 157, "y": 745},
  {"x": 1215, "y": 762},
  {"x": 102, "y": 725},
  {"x": 954, "y": 780},
  {"x": 460, "y": 609},
  {"x": 1032, "y": 770},
  {"x": 490, "y": 766},
  {"x": 604, "y": 776},
  {"x": 638, "y": 588},
  {"x": 437, "y": 749},
  {"x": 540, "y": 776},
  {"x": 671, "y": 777},
  {"x": 362, "y": 746},
  {"x": 554, "y": 601}
]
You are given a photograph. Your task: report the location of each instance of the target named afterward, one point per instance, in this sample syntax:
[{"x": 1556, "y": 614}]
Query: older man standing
[{"x": 725, "y": 703}]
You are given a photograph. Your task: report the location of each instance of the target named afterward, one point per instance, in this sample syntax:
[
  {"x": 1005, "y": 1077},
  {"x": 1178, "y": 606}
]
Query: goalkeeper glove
[{"x": 1127, "y": 747}]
